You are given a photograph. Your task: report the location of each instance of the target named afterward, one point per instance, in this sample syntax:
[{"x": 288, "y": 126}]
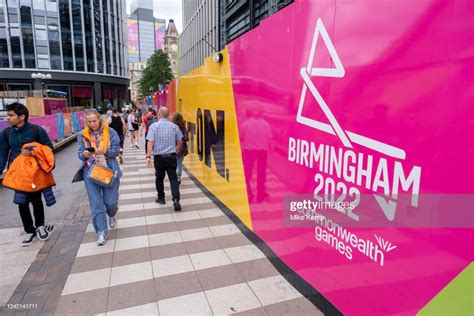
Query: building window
[
  {"x": 54, "y": 46},
  {"x": 82, "y": 96},
  {"x": 18, "y": 87},
  {"x": 52, "y": 8},
  {"x": 241, "y": 16},
  {"x": 106, "y": 35},
  {"x": 15, "y": 44},
  {"x": 88, "y": 32},
  {"x": 98, "y": 37},
  {"x": 78, "y": 40},
  {"x": 66, "y": 39},
  {"x": 4, "y": 60},
  {"x": 27, "y": 34},
  {"x": 114, "y": 37}
]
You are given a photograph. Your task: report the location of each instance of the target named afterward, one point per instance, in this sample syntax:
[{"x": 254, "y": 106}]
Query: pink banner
[
  {"x": 53, "y": 106},
  {"x": 49, "y": 123},
  {"x": 132, "y": 36},
  {"x": 361, "y": 108}
]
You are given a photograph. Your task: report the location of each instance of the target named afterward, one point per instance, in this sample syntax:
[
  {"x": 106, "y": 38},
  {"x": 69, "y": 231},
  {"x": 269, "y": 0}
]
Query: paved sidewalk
[
  {"x": 174, "y": 263},
  {"x": 14, "y": 260}
]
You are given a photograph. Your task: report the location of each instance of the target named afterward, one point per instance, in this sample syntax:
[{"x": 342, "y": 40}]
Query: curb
[{"x": 65, "y": 142}]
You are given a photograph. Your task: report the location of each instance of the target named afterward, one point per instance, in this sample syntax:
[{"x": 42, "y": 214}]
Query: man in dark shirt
[{"x": 12, "y": 140}]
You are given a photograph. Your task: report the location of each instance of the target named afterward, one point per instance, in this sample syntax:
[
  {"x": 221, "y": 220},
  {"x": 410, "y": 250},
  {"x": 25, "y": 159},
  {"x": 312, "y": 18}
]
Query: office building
[
  {"x": 145, "y": 33},
  {"x": 80, "y": 43},
  {"x": 208, "y": 25}
]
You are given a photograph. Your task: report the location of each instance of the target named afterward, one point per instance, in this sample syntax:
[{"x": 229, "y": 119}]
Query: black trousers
[
  {"x": 167, "y": 165},
  {"x": 38, "y": 211},
  {"x": 146, "y": 143}
]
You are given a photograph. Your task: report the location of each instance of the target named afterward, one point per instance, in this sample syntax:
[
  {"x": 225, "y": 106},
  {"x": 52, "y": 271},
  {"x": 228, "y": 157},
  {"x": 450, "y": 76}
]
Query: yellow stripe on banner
[{"x": 206, "y": 100}]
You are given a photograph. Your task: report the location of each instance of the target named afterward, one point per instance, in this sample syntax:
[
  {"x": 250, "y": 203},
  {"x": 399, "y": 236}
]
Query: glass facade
[
  {"x": 15, "y": 35},
  {"x": 241, "y": 16},
  {"x": 106, "y": 24},
  {"x": 27, "y": 34},
  {"x": 113, "y": 36},
  {"x": 119, "y": 37},
  {"x": 66, "y": 37},
  {"x": 53, "y": 34},
  {"x": 77, "y": 29},
  {"x": 86, "y": 9},
  {"x": 69, "y": 35},
  {"x": 98, "y": 37},
  {"x": 4, "y": 59}
]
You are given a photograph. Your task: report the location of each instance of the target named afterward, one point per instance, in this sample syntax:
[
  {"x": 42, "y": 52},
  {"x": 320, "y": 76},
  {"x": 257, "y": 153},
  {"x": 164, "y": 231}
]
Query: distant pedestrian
[
  {"x": 179, "y": 121},
  {"x": 118, "y": 124},
  {"x": 148, "y": 120},
  {"x": 12, "y": 140},
  {"x": 164, "y": 141},
  {"x": 100, "y": 145},
  {"x": 133, "y": 126}
]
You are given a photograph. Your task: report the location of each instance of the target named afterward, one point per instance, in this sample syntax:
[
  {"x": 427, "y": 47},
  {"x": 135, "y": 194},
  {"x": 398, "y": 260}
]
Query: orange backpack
[{"x": 31, "y": 173}]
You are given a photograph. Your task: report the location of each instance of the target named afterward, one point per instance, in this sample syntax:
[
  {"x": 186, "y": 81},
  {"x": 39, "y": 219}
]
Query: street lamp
[{"x": 41, "y": 76}]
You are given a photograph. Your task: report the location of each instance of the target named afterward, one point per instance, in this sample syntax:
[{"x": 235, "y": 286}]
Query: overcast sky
[{"x": 166, "y": 9}]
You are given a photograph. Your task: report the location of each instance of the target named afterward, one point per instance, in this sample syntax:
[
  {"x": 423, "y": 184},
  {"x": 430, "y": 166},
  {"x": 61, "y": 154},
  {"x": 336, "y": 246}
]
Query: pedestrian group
[{"x": 28, "y": 153}]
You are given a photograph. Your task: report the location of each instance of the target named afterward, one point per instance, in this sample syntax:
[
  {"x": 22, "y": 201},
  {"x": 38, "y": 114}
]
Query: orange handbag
[{"x": 101, "y": 175}]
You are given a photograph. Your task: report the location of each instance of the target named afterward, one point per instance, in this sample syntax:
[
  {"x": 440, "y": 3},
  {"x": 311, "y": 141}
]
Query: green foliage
[{"x": 157, "y": 71}]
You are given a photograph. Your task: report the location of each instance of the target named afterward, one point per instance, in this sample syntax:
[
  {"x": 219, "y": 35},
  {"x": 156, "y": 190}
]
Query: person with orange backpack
[{"x": 12, "y": 141}]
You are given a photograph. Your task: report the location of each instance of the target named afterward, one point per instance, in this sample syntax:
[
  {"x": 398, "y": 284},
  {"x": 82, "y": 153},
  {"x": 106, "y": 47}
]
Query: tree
[{"x": 157, "y": 71}]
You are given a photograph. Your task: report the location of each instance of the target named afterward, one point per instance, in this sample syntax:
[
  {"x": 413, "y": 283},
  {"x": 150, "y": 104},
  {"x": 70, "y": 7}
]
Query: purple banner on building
[
  {"x": 160, "y": 30},
  {"x": 132, "y": 36}
]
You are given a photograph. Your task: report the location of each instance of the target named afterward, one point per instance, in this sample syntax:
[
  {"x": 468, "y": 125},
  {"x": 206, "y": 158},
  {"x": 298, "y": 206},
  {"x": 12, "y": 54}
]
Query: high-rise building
[
  {"x": 208, "y": 25},
  {"x": 200, "y": 34},
  {"x": 145, "y": 32},
  {"x": 81, "y": 43},
  {"x": 171, "y": 46}
]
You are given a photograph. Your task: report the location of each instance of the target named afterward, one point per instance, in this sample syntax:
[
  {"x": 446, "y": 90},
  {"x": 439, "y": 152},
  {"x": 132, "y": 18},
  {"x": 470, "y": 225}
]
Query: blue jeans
[
  {"x": 102, "y": 201},
  {"x": 179, "y": 168}
]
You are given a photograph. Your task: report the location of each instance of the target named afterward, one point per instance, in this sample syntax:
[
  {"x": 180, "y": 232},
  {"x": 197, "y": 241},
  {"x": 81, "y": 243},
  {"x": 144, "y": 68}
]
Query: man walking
[
  {"x": 164, "y": 140},
  {"x": 12, "y": 140}
]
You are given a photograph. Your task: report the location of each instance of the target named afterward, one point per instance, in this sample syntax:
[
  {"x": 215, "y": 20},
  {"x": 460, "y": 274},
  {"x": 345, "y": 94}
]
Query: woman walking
[
  {"x": 99, "y": 147},
  {"x": 133, "y": 126},
  {"x": 178, "y": 120}
]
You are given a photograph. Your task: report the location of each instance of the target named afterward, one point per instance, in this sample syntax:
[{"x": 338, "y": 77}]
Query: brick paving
[{"x": 43, "y": 282}]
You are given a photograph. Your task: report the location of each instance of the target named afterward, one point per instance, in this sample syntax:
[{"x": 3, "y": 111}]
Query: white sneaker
[
  {"x": 101, "y": 239},
  {"x": 112, "y": 222}
]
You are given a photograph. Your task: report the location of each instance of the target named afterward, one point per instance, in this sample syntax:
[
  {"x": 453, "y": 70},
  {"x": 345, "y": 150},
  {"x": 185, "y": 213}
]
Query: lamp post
[{"x": 41, "y": 76}]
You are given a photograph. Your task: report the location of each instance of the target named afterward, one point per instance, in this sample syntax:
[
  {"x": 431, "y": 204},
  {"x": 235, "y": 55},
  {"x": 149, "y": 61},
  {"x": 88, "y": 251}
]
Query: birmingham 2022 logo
[{"x": 342, "y": 171}]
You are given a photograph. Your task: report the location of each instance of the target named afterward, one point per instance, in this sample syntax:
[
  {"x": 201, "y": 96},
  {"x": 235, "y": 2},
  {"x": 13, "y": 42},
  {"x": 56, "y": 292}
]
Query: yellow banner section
[{"x": 206, "y": 100}]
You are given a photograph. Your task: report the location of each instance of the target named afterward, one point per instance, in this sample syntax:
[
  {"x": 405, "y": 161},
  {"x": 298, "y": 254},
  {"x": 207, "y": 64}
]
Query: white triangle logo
[
  {"x": 346, "y": 137},
  {"x": 337, "y": 72}
]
